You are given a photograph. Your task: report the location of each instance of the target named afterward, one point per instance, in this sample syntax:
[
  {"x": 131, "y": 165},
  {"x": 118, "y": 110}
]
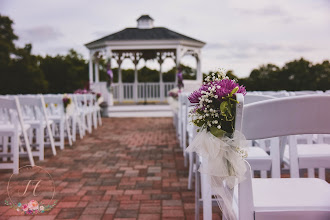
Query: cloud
[
  {"x": 276, "y": 12},
  {"x": 246, "y": 50},
  {"x": 99, "y": 34},
  {"x": 40, "y": 34},
  {"x": 265, "y": 11}
]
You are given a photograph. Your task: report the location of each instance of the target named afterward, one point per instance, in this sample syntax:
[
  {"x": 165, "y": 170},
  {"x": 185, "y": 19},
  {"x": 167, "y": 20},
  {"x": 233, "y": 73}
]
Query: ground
[{"x": 130, "y": 168}]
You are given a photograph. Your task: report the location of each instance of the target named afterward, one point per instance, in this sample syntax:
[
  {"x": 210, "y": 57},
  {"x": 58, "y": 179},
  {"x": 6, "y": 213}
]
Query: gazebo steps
[{"x": 125, "y": 111}]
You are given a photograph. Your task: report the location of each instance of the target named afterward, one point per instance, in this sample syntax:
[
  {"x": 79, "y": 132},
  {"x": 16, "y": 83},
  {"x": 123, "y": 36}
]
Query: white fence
[{"x": 141, "y": 91}]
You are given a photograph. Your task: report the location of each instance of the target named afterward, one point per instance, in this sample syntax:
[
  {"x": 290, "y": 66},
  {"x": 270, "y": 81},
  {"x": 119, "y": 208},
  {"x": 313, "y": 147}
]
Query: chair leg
[
  {"x": 99, "y": 117},
  {"x": 5, "y": 147},
  {"x": 15, "y": 152},
  {"x": 51, "y": 139},
  {"x": 185, "y": 158},
  {"x": 80, "y": 127},
  {"x": 28, "y": 148},
  {"x": 206, "y": 194},
  {"x": 40, "y": 142},
  {"x": 197, "y": 189},
  {"x": 311, "y": 172},
  {"x": 68, "y": 131},
  {"x": 95, "y": 119},
  {"x": 62, "y": 135},
  {"x": 74, "y": 128},
  {"x": 322, "y": 173},
  {"x": 191, "y": 167}
]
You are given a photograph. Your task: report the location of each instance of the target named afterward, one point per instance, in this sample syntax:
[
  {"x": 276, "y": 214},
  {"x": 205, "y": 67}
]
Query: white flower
[
  {"x": 216, "y": 96},
  {"x": 219, "y": 127},
  {"x": 218, "y": 87}
]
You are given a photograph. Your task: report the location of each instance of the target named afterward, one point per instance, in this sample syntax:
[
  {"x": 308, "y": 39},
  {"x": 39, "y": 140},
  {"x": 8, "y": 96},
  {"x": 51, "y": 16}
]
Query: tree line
[{"x": 21, "y": 72}]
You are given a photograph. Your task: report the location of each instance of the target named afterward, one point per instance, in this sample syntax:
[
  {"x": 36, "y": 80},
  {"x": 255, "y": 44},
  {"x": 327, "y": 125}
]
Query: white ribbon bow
[{"x": 225, "y": 165}]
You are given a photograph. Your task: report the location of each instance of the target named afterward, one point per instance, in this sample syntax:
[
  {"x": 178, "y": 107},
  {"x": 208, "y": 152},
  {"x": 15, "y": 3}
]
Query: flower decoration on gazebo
[{"x": 180, "y": 79}]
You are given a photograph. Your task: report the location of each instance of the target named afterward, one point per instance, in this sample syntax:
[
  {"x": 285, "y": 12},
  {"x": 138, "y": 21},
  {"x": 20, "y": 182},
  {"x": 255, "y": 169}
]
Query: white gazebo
[{"x": 143, "y": 42}]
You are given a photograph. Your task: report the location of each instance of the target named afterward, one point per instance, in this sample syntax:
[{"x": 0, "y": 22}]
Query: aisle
[{"x": 130, "y": 168}]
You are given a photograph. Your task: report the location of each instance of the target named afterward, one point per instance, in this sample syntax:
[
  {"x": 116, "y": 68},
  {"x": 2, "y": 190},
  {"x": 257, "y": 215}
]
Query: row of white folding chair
[
  {"x": 88, "y": 110},
  {"x": 13, "y": 132},
  {"x": 277, "y": 198},
  {"x": 303, "y": 149},
  {"x": 37, "y": 120}
]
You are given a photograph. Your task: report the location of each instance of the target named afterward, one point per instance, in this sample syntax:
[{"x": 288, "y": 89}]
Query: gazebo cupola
[
  {"x": 142, "y": 42},
  {"x": 145, "y": 22}
]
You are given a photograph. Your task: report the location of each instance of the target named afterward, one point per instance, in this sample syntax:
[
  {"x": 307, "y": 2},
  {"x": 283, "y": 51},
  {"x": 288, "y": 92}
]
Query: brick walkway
[{"x": 130, "y": 168}]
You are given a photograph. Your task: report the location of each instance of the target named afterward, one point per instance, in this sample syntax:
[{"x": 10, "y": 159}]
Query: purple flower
[
  {"x": 222, "y": 89},
  {"x": 226, "y": 86},
  {"x": 194, "y": 97}
]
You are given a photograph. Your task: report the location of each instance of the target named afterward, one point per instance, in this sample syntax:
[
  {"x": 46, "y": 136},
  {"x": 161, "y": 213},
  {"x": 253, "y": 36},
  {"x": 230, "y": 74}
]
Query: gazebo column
[
  {"x": 97, "y": 80},
  {"x": 136, "y": 80},
  {"x": 90, "y": 69},
  {"x": 120, "y": 82},
  {"x": 161, "y": 84},
  {"x": 178, "y": 57},
  {"x": 199, "y": 74}
]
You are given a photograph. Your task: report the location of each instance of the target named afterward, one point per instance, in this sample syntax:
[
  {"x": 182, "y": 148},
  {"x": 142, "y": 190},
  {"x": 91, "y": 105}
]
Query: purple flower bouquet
[{"x": 216, "y": 104}]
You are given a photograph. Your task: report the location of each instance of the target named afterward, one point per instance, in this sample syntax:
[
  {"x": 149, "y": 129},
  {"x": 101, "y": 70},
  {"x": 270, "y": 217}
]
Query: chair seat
[
  {"x": 291, "y": 194},
  {"x": 259, "y": 159},
  {"x": 8, "y": 129},
  {"x": 36, "y": 123},
  {"x": 311, "y": 155}
]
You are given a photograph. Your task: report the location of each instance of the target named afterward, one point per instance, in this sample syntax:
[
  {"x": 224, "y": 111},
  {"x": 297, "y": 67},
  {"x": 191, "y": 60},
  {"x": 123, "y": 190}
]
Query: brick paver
[{"x": 130, "y": 168}]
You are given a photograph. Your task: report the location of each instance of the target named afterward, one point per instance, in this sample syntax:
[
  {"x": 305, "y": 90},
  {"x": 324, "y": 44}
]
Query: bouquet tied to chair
[{"x": 221, "y": 147}]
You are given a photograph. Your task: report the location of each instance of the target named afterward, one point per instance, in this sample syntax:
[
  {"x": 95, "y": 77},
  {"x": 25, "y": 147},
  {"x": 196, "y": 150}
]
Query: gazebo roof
[
  {"x": 147, "y": 17},
  {"x": 134, "y": 34}
]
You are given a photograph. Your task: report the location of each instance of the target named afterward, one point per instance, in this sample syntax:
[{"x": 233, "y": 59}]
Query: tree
[
  {"x": 7, "y": 38},
  {"x": 24, "y": 74},
  {"x": 293, "y": 76},
  {"x": 65, "y": 74}
]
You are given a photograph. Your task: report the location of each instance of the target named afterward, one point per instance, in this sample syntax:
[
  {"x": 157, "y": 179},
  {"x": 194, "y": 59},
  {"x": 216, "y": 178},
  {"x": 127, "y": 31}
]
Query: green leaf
[
  {"x": 223, "y": 107},
  {"x": 200, "y": 123},
  {"x": 217, "y": 132},
  {"x": 233, "y": 91}
]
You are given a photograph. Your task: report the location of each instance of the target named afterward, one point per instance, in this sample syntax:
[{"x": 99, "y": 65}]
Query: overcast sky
[{"x": 240, "y": 34}]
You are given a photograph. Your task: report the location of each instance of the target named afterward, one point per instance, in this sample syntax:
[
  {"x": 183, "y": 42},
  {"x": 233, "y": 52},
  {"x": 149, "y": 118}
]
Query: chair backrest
[
  {"x": 55, "y": 104},
  {"x": 278, "y": 117},
  {"x": 9, "y": 110},
  {"x": 33, "y": 105},
  {"x": 252, "y": 98},
  {"x": 286, "y": 116}
]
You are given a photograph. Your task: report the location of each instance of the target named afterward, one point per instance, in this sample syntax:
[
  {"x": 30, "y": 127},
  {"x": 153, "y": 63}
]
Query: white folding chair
[
  {"x": 284, "y": 198},
  {"x": 12, "y": 126},
  {"x": 37, "y": 118},
  {"x": 258, "y": 158},
  {"x": 85, "y": 114},
  {"x": 76, "y": 119},
  {"x": 57, "y": 114}
]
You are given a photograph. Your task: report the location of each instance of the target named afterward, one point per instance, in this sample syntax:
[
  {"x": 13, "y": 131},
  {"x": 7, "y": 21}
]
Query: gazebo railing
[{"x": 142, "y": 91}]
